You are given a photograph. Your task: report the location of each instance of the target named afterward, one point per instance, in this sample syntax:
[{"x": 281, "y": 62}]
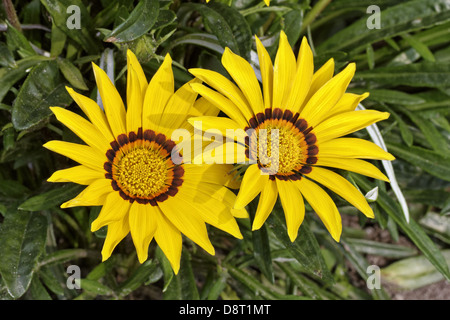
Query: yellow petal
[
  {"x": 266, "y": 68},
  {"x": 228, "y": 127},
  {"x": 93, "y": 112},
  {"x": 293, "y": 206},
  {"x": 302, "y": 79},
  {"x": 353, "y": 165},
  {"x": 252, "y": 184},
  {"x": 114, "y": 209},
  {"x": 244, "y": 76},
  {"x": 283, "y": 73},
  {"x": 169, "y": 240},
  {"x": 205, "y": 108},
  {"x": 112, "y": 102},
  {"x": 187, "y": 223},
  {"x": 353, "y": 148},
  {"x": 347, "y": 122},
  {"x": 342, "y": 187},
  {"x": 159, "y": 90},
  {"x": 217, "y": 174},
  {"x": 221, "y": 102},
  {"x": 82, "y": 128},
  {"x": 117, "y": 230},
  {"x": 225, "y": 87},
  {"x": 178, "y": 107},
  {"x": 348, "y": 102},
  {"x": 143, "y": 224},
  {"x": 133, "y": 62},
  {"x": 82, "y": 154},
  {"x": 93, "y": 195},
  {"x": 267, "y": 2},
  {"x": 267, "y": 201},
  {"x": 78, "y": 174},
  {"x": 320, "y": 104},
  {"x": 134, "y": 101},
  {"x": 323, "y": 205},
  {"x": 320, "y": 77}
]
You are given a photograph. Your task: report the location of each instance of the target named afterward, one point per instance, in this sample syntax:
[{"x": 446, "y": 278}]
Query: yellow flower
[
  {"x": 128, "y": 168},
  {"x": 311, "y": 112}
]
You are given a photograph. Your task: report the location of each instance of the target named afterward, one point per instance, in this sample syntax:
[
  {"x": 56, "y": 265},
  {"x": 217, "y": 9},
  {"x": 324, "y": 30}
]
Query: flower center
[
  {"x": 141, "y": 169},
  {"x": 282, "y": 144}
]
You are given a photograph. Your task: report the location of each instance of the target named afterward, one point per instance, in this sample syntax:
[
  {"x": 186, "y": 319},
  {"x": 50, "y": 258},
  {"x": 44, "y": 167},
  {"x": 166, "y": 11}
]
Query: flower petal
[
  {"x": 347, "y": 122},
  {"x": 252, "y": 184},
  {"x": 320, "y": 77},
  {"x": 117, "y": 230},
  {"x": 266, "y": 69},
  {"x": 93, "y": 112},
  {"x": 159, "y": 91},
  {"x": 267, "y": 200},
  {"x": 82, "y": 154},
  {"x": 342, "y": 187},
  {"x": 93, "y": 195},
  {"x": 348, "y": 102},
  {"x": 143, "y": 223},
  {"x": 353, "y": 148},
  {"x": 244, "y": 76},
  {"x": 323, "y": 205},
  {"x": 225, "y": 87},
  {"x": 283, "y": 72},
  {"x": 169, "y": 240},
  {"x": 82, "y": 128},
  {"x": 302, "y": 79},
  {"x": 112, "y": 102},
  {"x": 78, "y": 174},
  {"x": 320, "y": 104},
  {"x": 134, "y": 101},
  {"x": 354, "y": 165},
  {"x": 114, "y": 209},
  {"x": 293, "y": 206}
]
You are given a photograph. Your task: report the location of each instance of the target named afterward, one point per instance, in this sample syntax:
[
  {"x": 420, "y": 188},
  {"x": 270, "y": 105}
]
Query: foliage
[{"x": 405, "y": 65}]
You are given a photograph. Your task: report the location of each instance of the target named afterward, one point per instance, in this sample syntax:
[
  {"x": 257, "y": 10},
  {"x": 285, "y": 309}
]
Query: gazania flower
[
  {"x": 312, "y": 112},
  {"x": 128, "y": 168}
]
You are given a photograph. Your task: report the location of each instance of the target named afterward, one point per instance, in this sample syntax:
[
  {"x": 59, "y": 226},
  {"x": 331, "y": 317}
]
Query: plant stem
[
  {"x": 313, "y": 13},
  {"x": 11, "y": 14}
]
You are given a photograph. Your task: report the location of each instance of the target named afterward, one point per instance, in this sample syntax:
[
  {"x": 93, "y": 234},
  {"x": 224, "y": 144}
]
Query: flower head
[
  {"x": 310, "y": 112},
  {"x": 129, "y": 170}
]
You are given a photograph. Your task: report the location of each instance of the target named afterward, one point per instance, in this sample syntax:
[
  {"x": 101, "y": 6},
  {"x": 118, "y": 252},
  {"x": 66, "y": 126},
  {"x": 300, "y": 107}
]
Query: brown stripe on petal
[
  {"x": 149, "y": 135},
  {"x": 168, "y": 146},
  {"x": 122, "y": 139},
  {"x": 311, "y": 160},
  {"x": 142, "y": 201},
  {"x": 310, "y": 138},
  {"x": 253, "y": 123},
  {"x": 305, "y": 170},
  {"x": 115, "y": 186},
  {"x": 307, "y": 131},
  {"x": 277, "y": 113},
  {"x": 108, "y": 176},
  {"x": 108, "y": 167},
  {"x": 172, "y": 191},
  {"x": 287, "y": 115},
  {"x": 110, "y": 154},
  {"x": 153, "y": 202},
  {"x": 132, "y": 136},
  {"x": 260, "y": 117},
  {"x": 162, "y": 197},
  {"x": 301, "y": 124},
  {"x": 313, "y": 150},
  {"x": 178, "y": 172},
  {"x": 160, "y": 138},
  {"x": 140, "y": 133},
  {"x": 268, "y": 113},
  {"x": 295, "y": 117},
  {"x": 115, "y": 145}
]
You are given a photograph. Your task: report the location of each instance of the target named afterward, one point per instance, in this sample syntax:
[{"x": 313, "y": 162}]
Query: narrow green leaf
[
  {"x": 304, "y": 249},
  {"x": 42, "y": 88},
  {"x": 6, "y": 57},
  {"x": 430, "y": 161},
  {"x": 388, "y": 250},
  {"x": 419, "y": 46},
  {"x": 95, "y": 287},
  {"x": 51, "y": 198},
  {"x": 415, "y": 233},
  {"x": 138, "y": 277},
  {"x": 23, "y": 240},
  {"x": 139, "y": 22},
  {"x": 72, "y": 74},
  {"x": 183, "y": 285}
]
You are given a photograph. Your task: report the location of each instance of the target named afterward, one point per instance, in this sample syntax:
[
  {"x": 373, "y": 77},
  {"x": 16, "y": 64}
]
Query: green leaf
[
  {"x": 415, "y": 233},
  {"x": 183, "y": 286},
  {"x": 138, "y": 277},
  {"x": 51, "y": 198},
  {"x": 304, "y": 249},
  {"x": 228, "y": 25},
  {"x": 424, "y": 74},
  {"x": 9, "y": 76},
  {"x": 139, "y": 22},
  {"x": 83, "y": 36},
  {"x": 6, "y": 57},
  {"x": 430, "y": 161},
  {"x": 405, "y": 17},
  {"x": 72, "y": 74},
  {"x": 95, "y": 287},
  {"x": 22, "y": 241},
  {"x": 388, "y": 250},
  {"x": 419, "y": 46},
  {"x": 42, "y": 89}
]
